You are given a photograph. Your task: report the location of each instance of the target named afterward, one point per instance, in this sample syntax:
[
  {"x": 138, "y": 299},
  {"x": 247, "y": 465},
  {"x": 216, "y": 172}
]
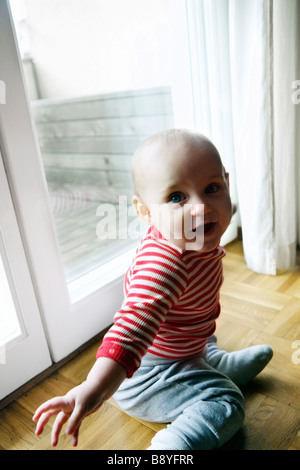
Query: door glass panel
[{"x": 98, "y": 76}]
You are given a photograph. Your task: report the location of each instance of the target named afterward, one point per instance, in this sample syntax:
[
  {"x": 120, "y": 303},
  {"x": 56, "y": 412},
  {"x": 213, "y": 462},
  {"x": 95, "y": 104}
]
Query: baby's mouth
[{"x": 207, "y": 227}]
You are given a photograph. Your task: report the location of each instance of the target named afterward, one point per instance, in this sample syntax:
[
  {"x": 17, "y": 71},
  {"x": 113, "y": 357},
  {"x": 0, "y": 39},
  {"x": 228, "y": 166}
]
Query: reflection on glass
[{"x": 78, "y": 59}]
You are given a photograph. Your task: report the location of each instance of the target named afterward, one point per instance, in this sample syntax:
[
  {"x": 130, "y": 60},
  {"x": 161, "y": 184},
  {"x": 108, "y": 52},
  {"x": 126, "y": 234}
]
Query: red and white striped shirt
[{"x": 170, "y": 306}]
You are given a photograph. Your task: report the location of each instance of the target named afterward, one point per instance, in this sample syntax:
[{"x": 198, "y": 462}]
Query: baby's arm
[{"x": 102, "y": 382}]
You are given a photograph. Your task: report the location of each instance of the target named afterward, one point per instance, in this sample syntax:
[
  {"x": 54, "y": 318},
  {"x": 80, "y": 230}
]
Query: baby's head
[{"x": 181, "y": 187}]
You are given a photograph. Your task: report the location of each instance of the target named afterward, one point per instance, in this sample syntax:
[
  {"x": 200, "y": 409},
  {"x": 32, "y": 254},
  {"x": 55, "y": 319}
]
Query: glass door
[{"x": 23, "y": 347}]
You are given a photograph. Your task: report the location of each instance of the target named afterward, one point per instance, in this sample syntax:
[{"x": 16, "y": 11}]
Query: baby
[{"x": 160, "y": 359}]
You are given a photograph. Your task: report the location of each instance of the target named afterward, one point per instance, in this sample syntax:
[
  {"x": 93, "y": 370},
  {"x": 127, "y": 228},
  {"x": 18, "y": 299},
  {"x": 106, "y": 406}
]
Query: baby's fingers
[
  {"x": 57, "y": 427},
  {"x": 74, "y": 437},
  {"x": 48, "y": 409},
  {"x": 43, "y": 420},
  {"x": 55, "y": 404},
  {"x": 75, "y": 422}
]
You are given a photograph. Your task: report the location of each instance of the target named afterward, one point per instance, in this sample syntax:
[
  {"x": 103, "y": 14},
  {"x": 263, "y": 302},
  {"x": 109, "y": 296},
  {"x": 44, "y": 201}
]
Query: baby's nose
[{"x": 198, "y": 209}]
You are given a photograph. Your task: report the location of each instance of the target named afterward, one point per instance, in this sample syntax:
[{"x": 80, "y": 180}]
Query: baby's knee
[
  {"x": 234, "y": 417},
  {"x": 233, "y": 401},
  {"x": 207, "y": 424},
  {"x": 219, "y": 418}
]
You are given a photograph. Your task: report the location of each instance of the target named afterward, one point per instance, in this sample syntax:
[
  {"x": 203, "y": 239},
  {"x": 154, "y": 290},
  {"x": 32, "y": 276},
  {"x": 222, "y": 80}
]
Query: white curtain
[
  {"x": 264, "y": 38},
  {"x": 246, "y": 66}
]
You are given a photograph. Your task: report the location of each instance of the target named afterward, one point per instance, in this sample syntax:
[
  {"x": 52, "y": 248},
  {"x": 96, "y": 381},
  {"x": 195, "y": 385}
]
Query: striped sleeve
[{"x": 154, "y": 284}]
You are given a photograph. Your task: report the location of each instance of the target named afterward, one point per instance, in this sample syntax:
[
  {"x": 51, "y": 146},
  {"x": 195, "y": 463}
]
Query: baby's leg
[
  {"x": 240, "y": 366},
  {"x": 205, "y": 408},
  {"x": 205, "y": 425}
]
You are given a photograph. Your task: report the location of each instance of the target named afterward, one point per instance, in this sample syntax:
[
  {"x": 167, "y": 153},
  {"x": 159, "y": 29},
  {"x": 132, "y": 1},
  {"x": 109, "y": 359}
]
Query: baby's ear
[
  {"x": 234, "y": 206},
  {"x": 226, "y": 177},
  {"x": 141, "y": 210}
]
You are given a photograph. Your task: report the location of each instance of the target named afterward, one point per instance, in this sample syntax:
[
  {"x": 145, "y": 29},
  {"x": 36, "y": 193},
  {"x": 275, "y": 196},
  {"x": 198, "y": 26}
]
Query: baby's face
[{"x": 187, "y": 194}]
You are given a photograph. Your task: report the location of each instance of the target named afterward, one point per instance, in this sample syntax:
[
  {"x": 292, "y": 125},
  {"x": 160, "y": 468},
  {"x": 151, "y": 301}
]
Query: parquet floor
[{"x": 255, "y": 309}]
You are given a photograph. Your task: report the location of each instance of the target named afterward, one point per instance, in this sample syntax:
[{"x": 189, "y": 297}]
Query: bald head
[{"x": 156, "y": 151}]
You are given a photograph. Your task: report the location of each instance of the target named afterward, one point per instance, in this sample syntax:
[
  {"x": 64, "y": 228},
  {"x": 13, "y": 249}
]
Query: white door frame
[{"x": 26, "y": 355}]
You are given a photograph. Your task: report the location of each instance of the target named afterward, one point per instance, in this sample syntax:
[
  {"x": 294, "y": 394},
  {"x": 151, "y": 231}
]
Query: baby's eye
[
  {"x": 211, "y": 188},
  {"x": 176, "y": 198}
]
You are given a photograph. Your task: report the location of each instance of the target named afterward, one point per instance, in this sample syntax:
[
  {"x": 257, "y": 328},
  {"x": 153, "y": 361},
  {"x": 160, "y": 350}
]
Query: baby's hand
[
  {"x": 73, "y": 407},
  {"x": 102, "y": 382}
]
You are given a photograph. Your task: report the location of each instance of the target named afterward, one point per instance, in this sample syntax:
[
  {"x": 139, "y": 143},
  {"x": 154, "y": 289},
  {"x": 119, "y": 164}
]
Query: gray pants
[{"x": 205, "y": 408}]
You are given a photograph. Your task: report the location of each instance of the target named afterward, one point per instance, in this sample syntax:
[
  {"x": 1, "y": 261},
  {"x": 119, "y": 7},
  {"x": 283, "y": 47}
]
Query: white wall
[{"x": 83, "y": 47}]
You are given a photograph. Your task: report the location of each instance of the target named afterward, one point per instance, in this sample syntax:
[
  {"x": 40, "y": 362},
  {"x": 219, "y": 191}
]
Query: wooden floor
[{"x": 255, "y": 309}]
